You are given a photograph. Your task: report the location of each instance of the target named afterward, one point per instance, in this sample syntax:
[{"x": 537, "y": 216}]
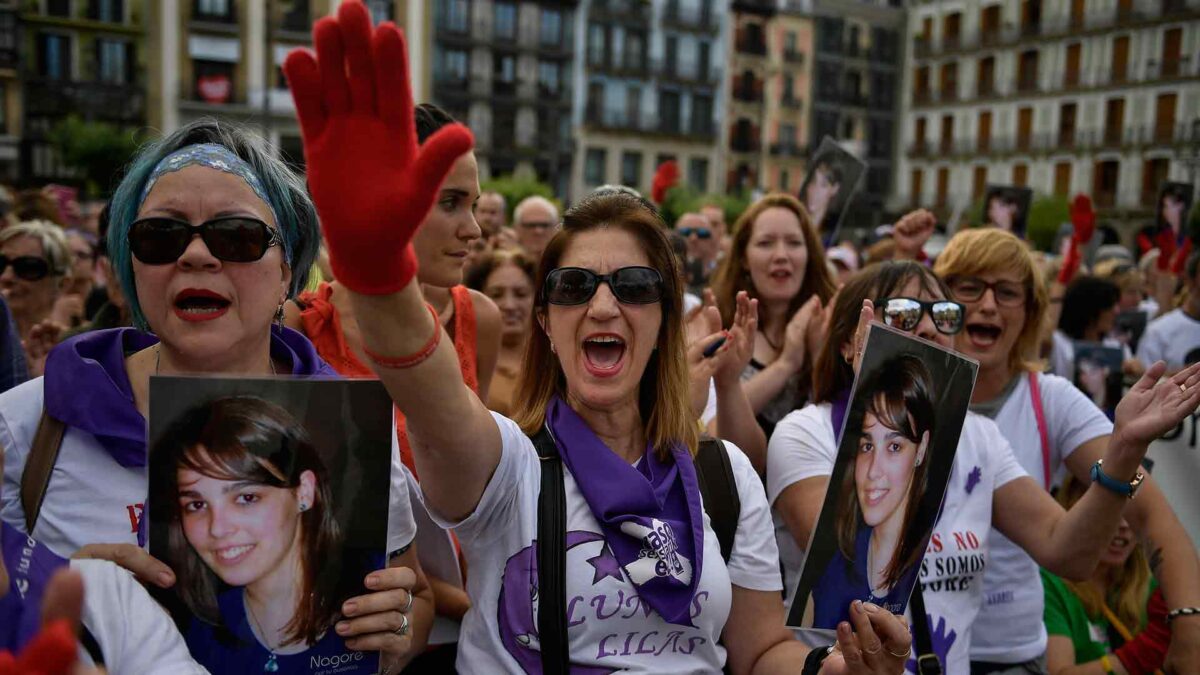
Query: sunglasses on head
[
  {"x": 160, "y": 241},
  {"x": 576, "y": 285},
  {"x": 701, "y": 232},
  {"x": 27, "y": 267},
  {"x": 905, "y": 314}
]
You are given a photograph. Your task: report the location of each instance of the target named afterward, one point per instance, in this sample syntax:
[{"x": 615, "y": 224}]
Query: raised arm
[
  {"x": 373, "y": 186},
  {"x": 1069, "y": 543}
]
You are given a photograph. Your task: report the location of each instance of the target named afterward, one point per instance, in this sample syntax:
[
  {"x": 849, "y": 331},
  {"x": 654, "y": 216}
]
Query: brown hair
[
  {"x": 663, "y": 398},
  {"x": 988, "y": 250},
  {"x": 1128, "y": 585},
  {"x": 899, "y": 393},
  {"x": 248, "y": 439},
  {"x": 832, "y": 376},
  {"x": 477, "y": 276},
  {"x": 733, "y": 276}
]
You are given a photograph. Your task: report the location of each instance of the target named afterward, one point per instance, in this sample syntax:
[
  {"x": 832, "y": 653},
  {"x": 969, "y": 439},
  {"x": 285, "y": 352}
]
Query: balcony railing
[
  {"x": 739, "y": 143},
  {"x": 690, "y": 73},
  {"x": 632, "y": 12},
  {"x": 690, "y": 18},
  {"x": 753, "y": 46},
  {"x": 747, "y": 91},
  {"x": 201, "y": 12},
  {"x": 640, "y": 121},
  {"x": 788, "y": 149},
  {"x": 1139, "y": 137},
  {"x": 791, "y": 102},
  {"x": 793, "y": 56},
  {"x": 108, "y": 102}
]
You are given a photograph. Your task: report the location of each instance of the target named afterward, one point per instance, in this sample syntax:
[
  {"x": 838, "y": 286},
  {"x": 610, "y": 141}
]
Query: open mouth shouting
[
  {"x": 781, "y": 276},
  {"x": 199, "y": 304},
  {"x": 603, "y": 354},
  {"x": 983, "y": 335}
]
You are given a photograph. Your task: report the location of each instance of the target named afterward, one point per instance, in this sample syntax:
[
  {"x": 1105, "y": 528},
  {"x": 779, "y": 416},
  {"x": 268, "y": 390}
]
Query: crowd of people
[{"x": 558, "y": 376}]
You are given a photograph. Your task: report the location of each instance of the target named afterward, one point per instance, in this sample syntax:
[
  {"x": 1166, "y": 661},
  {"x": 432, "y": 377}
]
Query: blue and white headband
[{"x": 213, "y": 156}]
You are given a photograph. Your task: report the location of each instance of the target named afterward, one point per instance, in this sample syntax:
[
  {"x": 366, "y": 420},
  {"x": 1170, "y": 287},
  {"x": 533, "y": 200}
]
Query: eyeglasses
[
  {"x": 971, "y": 289},
  {"x": 536, "y": 225},
  {"x": 576, "y": 285},
  {"x": 160, "y": 241},
  {"x": 700, "y": 232},
  {"x": 27, "y": 267},
  {"x": 905, "y": 314}
]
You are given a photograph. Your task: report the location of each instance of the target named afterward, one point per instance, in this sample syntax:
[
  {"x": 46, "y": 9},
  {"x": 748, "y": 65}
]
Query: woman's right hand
[
  {"x": 1155, "y": 405},
  {"x": 795, "y": 336},
  {"x": 354, "y": 102},
  {"x": 147, "y": 568},
  {"x": 874, "y": 642}
]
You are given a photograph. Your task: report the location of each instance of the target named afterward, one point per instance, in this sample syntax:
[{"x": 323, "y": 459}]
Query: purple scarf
[
  {"x": 30, "y": 566},
  {"x": 650, "y": 514},
  {"x": 840, "y": 403}
]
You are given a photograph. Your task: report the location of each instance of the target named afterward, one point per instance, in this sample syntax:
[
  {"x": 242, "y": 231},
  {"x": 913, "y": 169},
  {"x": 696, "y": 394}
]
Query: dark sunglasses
[
  {"x": 576, "y": 285},
  {"x": 700, "y": 232},
  {"x": 905, "y": 313},
  {"x": 27, "y": 267},
  {"x": 160, "y": 241}
]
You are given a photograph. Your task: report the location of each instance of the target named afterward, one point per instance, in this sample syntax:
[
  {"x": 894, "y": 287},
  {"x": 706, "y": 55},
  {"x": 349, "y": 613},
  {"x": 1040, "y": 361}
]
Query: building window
[
  {"x": 110, "y": 11},
  {"x": 669, "y": 112},
  {"x": 1062, "y": 179},
  {"x": 702, "y": 115},
  {"x": 703, "y": 61},
  {"x": 113, "y": 61},
  {"x": 1104, "y": 183},
  {"x": 594, "y": 167},
  {"x": 1154, "y": 174},
  {"x": 698, "y": 173},
  {"x": 916, "y": 187},
  {"x": 58, "y": 8},
  {"x": 635, "y": 50},
  {"x": 549, "y": 78},
  {"x": 979, "y": 182},
  {"x": 381, "y": 10},
  {"x": 505, "y": 25},
  {"x": 54, "y": 56},
  {"x": 597, "y": 44},
  {"x": 504, "y": 74},
  {"x": 1020, "y": 175},
  {"x": 453, "y": 15},
  {"x": 633, "y": 106},
  {"x": 3, "y": 108},
  {"x": 789, "y": 88},
  {"x": 550, "y": 30},
  {"x": 631, "y": 169},
  {"x": 213, "y": 10},
  {"x": 452, "y": 65},
  {"x": 789, "y": 43},
  {"x": 784, "y": 178},
  {"x": 214, "y": 81}
]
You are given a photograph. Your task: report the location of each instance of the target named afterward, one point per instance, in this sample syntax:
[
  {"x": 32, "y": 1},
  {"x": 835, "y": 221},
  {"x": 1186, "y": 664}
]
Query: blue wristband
[{"x": 1127, "y": 490}]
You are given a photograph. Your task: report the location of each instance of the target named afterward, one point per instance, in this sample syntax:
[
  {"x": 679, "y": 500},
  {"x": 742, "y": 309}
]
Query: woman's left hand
[
  {"x": 379, "y": 621},
  {"x": 879, "y": 643},
  {"x": 1156, "y": 405}
]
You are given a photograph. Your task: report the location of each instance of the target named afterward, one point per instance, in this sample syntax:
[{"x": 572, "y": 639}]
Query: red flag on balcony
[{"x": 665, "y": 178}]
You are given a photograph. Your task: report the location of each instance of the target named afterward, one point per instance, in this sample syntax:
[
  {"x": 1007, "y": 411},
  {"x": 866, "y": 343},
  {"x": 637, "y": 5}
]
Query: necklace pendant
[{"x": 271, "y": 666}]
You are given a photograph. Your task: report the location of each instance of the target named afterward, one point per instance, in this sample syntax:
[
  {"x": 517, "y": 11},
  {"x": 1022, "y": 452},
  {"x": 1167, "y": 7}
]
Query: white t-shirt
[
  {"x": 136, "y": 636},
  {"x": 609, "y": 626},
  {"x": 804, "y": 446},
  {"x": 1173, "y": 337},
  {"x": 92, "y": 499},
  {"x": 1010, "y": 630}
]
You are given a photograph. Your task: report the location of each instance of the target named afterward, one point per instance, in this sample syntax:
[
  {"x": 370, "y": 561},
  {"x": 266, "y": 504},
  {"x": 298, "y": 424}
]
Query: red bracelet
[{"x": 400, "y": 362}]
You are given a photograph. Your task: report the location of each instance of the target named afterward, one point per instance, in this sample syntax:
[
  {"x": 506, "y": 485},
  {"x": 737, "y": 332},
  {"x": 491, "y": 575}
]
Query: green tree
[
  {"x": 97, "y": 150},
  {"x": 1046, "y": 215},
  {"x": 515, "y": 188}
]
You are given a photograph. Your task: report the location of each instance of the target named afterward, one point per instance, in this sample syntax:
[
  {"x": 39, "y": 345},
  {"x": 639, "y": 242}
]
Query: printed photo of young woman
[
  {"x": 833, "y": 176},
  {"x": 269, "y": 525},
  {"x": 897, "y": 446}
]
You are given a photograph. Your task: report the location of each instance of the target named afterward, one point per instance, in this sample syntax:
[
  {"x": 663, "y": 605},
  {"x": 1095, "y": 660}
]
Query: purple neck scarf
[
  {"x": 650, "y": 514},
  {"x": 840, "y": 403},
  {"x": 30, "y": 566}
]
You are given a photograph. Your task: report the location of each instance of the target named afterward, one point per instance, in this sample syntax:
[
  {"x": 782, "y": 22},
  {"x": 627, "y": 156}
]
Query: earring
[
  {"x": 552, "y": 349},
  {"x": 279, "y": 316},
  {"x": 303, "y": 507}
]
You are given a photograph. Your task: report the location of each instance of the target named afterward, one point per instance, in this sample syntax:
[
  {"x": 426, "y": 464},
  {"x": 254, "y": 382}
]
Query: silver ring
[
  {"x": 403, "y": 629},
  {"x": 408, "y": 606},
  {"x": 1183, "y": 388},
  {"x": 901, "y": 656}
]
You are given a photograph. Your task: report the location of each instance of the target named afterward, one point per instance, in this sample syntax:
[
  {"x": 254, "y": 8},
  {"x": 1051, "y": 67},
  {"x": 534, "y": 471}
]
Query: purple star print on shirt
[
  {"x": 606, "y": 565},
  {"x": 973, "y": 479}
]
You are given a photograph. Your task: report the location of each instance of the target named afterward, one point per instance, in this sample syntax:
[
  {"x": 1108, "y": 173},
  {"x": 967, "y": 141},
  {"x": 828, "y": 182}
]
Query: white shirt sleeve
[
  {"x": 710, "y": 405},
  {"x": 801, "y": 447},
  {"x": 402, "y": 528},
  {"x": 754, "y": 561},
  {"x": 499, "y": 506},
  {"x": 135, "y": 634},
  {"x": 986, "y": 435},
  {"x": 1152, "y": 346},
  {"x": 1073, "y": 419}
]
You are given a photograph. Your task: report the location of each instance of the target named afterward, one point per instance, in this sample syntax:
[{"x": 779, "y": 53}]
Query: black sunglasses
[
  {"x": 27, "y": 267},
  {"x": 700, "y": 232},
  {"x": 905, "y": 313},
  {"x": 160, "y": 241},
  {"x": 576, "y": 285}
]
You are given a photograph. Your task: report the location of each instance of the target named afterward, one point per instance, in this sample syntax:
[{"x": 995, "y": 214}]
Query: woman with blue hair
[{"x": 210, "y": 234}]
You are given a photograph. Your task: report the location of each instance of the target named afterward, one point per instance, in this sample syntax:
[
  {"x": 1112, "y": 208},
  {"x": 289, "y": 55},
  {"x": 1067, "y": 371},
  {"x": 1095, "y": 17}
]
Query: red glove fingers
[
  {"x": 1165, "y": 241},
  {"x": 1181, "y": 256},
  {"x": 52, "y": 652},
  {"x": 372, "y": 184}
]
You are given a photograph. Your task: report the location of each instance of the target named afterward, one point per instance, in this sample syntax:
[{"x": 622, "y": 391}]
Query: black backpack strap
[
  {"x": 928, "y": 662},
  {"x": 552, "y": 559},
  {"x": 91, "y": 645},
  {"x": 722, "y": 502}
]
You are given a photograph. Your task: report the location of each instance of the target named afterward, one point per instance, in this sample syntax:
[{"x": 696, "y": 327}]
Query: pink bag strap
[{"x": 1035, "y": 393}]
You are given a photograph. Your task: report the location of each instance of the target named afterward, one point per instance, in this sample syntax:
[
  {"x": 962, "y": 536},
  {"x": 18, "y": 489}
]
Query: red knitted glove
[
  {"x": 52, "y": 652},
  {"x": 372, "y": 184},
  {"x": 1070, "y": 263},
  {"x": 1147, "y": 650},
  {"x": 1083, "y": 218}
]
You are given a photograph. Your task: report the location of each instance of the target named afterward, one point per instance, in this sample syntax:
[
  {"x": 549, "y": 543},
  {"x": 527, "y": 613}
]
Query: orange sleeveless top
[{"x": 323, "y": 326}]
